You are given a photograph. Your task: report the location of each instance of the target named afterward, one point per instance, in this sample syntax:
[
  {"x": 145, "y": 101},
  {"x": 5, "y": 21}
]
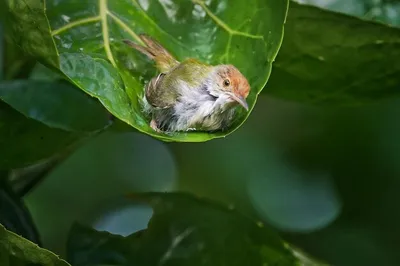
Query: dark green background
[{"x": 350, "y": 220}]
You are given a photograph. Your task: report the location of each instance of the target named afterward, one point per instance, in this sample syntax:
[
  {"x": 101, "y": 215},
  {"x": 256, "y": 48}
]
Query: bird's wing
[
  {"x": 155, "y": 51},
  {"x": 159, "y": 94},
  {"x": 164, "y": 90}
]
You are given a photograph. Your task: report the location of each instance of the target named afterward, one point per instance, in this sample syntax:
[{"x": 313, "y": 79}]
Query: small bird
[{"x": 190, "y": 95}]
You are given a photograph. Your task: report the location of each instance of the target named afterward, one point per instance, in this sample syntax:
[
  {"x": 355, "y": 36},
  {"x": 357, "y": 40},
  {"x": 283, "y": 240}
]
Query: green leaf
[
  {"x": 332, "y": 58},
  {"x": 43, "y": 73},
  {"x": 15, "y": 63},
  {"x": 64, "y": 115},
  {"x": 14, "y": 215},
  {"x": 84, "y": 40},
  {"x": 385, "y": 11},
  {"x": 30, "y": 29},
  {"x": 184, "y": 230},
  {"x": 24, "y": 141},
  {"x": 18, "y": 251},
  {"x": 55, "y": 104}
]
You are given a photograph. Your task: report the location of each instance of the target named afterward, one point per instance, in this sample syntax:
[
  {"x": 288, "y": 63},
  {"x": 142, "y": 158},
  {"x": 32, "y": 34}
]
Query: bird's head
[{"x": 229, "y": 85}]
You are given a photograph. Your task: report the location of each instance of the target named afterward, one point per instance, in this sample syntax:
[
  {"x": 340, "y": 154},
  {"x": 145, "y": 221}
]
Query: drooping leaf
[
  {"x": 332, "y": 58},
  {"x": 43, "y": 73},
  {"x": 15, "y": 250},
  {"x": 63, "y": 114},
  {"x": 14, "y": 215},
  {"x": 184, "y": 230},
  {"x": 84, "y": 40},
  {"x": 55, "y": 104},
  {"x": 24, "y": 141}
]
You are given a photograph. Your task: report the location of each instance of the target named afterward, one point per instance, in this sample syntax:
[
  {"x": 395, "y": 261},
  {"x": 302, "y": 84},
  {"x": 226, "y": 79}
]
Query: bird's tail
[{"x": 155, "y": 51}]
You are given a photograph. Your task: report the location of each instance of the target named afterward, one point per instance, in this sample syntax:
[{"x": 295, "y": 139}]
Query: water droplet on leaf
[{"x": 65, "y": 18}]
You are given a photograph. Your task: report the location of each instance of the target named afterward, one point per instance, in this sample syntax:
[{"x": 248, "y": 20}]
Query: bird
[{"x": 190, "y": 95}]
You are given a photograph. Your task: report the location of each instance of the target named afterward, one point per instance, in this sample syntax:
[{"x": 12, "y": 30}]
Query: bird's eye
[{"x": 227, "y": 83}]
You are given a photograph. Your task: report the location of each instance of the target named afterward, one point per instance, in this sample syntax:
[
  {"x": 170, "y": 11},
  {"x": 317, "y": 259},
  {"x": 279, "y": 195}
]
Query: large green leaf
[
  {"x": 24, "y": 141},
  {"x": 84, "y": 40},
  {"x": 18, "y": 251},
  {"x": 184, "y": 230},
  {"x": 55, "y": 104},
  {"x": 63, "y": 115},
  {"x": 332, "y": 58},
  {"x": 385, "y": 11}
]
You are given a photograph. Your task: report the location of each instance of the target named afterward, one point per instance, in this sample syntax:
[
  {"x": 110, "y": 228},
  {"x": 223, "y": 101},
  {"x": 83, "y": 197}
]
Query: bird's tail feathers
[
  {"x": 155, "y": 51},
  {"x": 142, "y": 49}
]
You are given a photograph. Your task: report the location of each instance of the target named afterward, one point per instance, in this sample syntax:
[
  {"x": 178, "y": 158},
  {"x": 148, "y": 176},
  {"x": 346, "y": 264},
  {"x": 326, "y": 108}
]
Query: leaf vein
[
  {"x": 125, "y": 27},
  {"x": 75, "y": 24},
  {"x": 222, "y": 24},
  {"x": 149, "y": 19}
]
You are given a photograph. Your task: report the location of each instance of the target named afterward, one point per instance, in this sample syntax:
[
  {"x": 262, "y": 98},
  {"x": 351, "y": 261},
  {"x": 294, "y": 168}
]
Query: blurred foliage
[
  {"x": 322, "y": 175},
  {"x": 331, "y": 64},
  {"x": 14, "y": 216},
  {"x": 24, "y": 141},
  {"x": 109, "y": 166},
  {"x": 184, "y": 230},
  {"x": 385, "y": 11}
]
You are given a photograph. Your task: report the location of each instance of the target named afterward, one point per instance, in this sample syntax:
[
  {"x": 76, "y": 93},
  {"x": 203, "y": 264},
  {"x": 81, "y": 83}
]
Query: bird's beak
[{"x": 240, "y": 100}]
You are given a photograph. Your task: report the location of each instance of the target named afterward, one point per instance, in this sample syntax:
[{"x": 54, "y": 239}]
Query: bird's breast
[{"x": 196, "y": 108}]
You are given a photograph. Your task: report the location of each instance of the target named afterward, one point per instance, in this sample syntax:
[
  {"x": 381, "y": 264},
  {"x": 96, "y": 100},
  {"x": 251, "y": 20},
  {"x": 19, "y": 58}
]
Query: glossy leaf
[
  {"x": 332, "y": 58},
  {"x": 184, "y": 230},
  {"x": 15, "y": 250},
  {"x": 84, "y": 40},
  {"x": 24, "y": 141},
  {"x": 55, "y": 104},
  {"x": 14, "y": 215}
]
